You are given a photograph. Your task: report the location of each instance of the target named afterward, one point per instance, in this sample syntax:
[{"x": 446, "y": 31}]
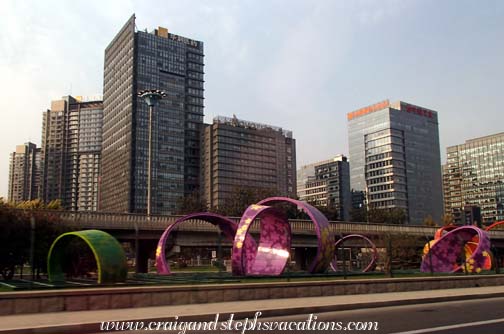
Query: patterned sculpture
[
  {"x": 449, "y": 253},
  {"x": 372, "y": 246},
  {"x": 227, "y": 226},
  {"x": 273, "y": 250},
  {"x": 107, "y": 251}
]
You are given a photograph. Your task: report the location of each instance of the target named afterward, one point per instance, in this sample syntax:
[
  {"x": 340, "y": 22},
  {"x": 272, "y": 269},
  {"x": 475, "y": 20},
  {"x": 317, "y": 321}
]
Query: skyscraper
[
  {"x": 474, "y": 176},
  {"x": 327, "y": 183},
  {"x": 24, "y": 173},
  {"x": 71, "y": 151},
  {"x": 134, "y": 61},
  {"x": 243, "y": 154},
  {"x": 395, "y": 158}
]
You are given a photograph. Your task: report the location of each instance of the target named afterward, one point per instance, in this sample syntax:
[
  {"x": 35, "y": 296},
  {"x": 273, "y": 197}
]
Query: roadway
[
  {"x": 485, "y": 316},
  {"x": 474, "y": 316},
  {"x": 465, "y": 310}
]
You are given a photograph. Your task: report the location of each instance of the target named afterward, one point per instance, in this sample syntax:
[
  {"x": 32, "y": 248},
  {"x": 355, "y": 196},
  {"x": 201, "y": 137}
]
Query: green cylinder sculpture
[{"x": 108, "y": 253}]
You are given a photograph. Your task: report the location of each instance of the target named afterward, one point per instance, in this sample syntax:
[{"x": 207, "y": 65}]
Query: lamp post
[{"x": 151, "y": 97}]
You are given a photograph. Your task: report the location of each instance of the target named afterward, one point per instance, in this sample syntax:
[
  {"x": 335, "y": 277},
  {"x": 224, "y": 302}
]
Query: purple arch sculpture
[
  {"x": 325, "y": 249},
  {"x": 334, "y": 263},
  {"x": 227, "y": 226},
  {"x": 273, "y": 250},
  {"x": 445, "y": 252}
]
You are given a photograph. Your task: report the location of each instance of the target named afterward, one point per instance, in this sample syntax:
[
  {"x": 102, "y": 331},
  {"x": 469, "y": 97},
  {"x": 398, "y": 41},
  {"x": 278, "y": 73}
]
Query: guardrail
[{"x": 124, "y": 221}]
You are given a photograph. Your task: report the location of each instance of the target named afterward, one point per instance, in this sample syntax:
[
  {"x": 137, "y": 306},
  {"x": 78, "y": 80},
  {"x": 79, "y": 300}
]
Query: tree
[
  {"x": 190, "y": 204},
  {"x": 359, "y": 215},
  {"x": 35, "y": 204},
  {"x": 15, "y": 235},
  {"x": 387, "y": 216},
  {"x": 448, "y": 219},
  {"x": 331, "y": 212},
  {"x": 241, "y": 197},
  {"x": 428, "y": 221},
  {"x": 55, "y": 204},
  {"x": 402, "y": 251},
  {"x": 13, "y": 241}
]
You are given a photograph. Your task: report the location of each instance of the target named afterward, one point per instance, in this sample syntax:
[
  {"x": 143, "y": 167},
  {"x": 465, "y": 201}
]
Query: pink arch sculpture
[
  {"x": 370, "y": 266},
  {"x": 227, "y": 226},
  {"x": 273, "y": 250},
  {"x": 325, "y": 239}
]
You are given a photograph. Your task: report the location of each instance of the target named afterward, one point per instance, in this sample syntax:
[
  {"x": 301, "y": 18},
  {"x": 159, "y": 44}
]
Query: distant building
[
  {"x": 303, "y": 174},
  {"x": 246, "y": 154},
  {"x": 71, "y": 151},
  {"x": 395, "y": 158},
  {"x": 474, "y": 176},
  {"x": 358, "y": 199},
  {"x": 446, "y": 186},
  {"x": 136, "y": 60},
  {"x": 327, "y": 183},
  {"x": 24, "y": 173}
]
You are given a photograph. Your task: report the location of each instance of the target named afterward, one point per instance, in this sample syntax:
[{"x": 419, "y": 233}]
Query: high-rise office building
[
  {"x": 474, "y": 176},
  {"x": 134, "y": 61},
  {"x": 446, "y": 186},
  {"x": 24, "y": 173},
  {"x": 327, "y": 183},
  {"x": 71, "y": 151},
  {"x": 242, "y": 154},
  {"x": 394, "y": 157}
]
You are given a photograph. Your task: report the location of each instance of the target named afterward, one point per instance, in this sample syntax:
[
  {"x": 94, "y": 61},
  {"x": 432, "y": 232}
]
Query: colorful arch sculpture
[
  {"x": 108, "y": 253},
  {"x": 494, "y": 225},
  {"x": 273, "y": 250},
  {"x": 374, "y": 254},
  {"x": 227, "y": 226},
  {"x": 446, "y": 228},
  {"x": 437, "y": 235},
  {"x": 325, "y": 239},
  {"x": 448, "y": 249}
]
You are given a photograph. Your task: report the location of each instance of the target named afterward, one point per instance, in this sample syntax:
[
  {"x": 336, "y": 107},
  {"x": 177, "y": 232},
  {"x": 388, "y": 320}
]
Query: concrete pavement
[{"x": 89, "y": 321}]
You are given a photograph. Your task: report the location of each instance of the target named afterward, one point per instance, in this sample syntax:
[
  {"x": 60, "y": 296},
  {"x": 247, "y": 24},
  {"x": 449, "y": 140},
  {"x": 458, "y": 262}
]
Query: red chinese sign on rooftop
[
  {"x": 369, "y": 109},
  {"x": 403, "y": 106}
]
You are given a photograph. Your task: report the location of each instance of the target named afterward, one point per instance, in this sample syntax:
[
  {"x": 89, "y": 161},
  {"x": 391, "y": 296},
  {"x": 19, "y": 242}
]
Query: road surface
[{"x": 485, "y": 316}]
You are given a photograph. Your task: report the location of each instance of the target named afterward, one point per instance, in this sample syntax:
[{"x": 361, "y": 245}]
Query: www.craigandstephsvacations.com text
[{"x": 241, "y": 326}]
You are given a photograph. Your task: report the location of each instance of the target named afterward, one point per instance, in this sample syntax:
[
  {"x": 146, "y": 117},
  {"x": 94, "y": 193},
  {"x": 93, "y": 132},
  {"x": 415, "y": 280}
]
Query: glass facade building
[
  {"x": 395, "y": 158},
  {"x": 327, "y": 183},
  {"x": 24, "y": 173},
  {"x": 138, "y": 60},
  {"x": 239, "y": 153},
  {"x": 474, "y": 176}
]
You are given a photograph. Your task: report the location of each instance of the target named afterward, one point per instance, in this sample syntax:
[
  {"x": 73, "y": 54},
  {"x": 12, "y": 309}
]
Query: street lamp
[{"x": 151, "y": 97}]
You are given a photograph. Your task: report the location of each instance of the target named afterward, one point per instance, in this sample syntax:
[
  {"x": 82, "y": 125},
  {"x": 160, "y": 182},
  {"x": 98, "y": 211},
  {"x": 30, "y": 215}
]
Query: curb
[{"x": 266, "y": 313}]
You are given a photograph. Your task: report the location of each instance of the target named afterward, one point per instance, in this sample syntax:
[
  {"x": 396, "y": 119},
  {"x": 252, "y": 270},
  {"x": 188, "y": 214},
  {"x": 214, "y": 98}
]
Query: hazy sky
[{"x": 301, "y": 65}]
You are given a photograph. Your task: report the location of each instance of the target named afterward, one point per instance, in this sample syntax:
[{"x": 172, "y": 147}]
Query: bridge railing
[{"x": 126, "y": 221}]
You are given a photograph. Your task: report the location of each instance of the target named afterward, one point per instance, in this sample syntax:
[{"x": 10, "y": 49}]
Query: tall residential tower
[
  {"x": 134, "y": 61},
  {"x": 395, "y": 158},
  {"x": 24, "y": 173},
  {"x": 71, "y": 150}
]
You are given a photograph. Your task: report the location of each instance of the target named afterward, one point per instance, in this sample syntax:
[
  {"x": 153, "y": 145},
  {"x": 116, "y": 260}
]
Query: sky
[{"x": 300, "y": 65}]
